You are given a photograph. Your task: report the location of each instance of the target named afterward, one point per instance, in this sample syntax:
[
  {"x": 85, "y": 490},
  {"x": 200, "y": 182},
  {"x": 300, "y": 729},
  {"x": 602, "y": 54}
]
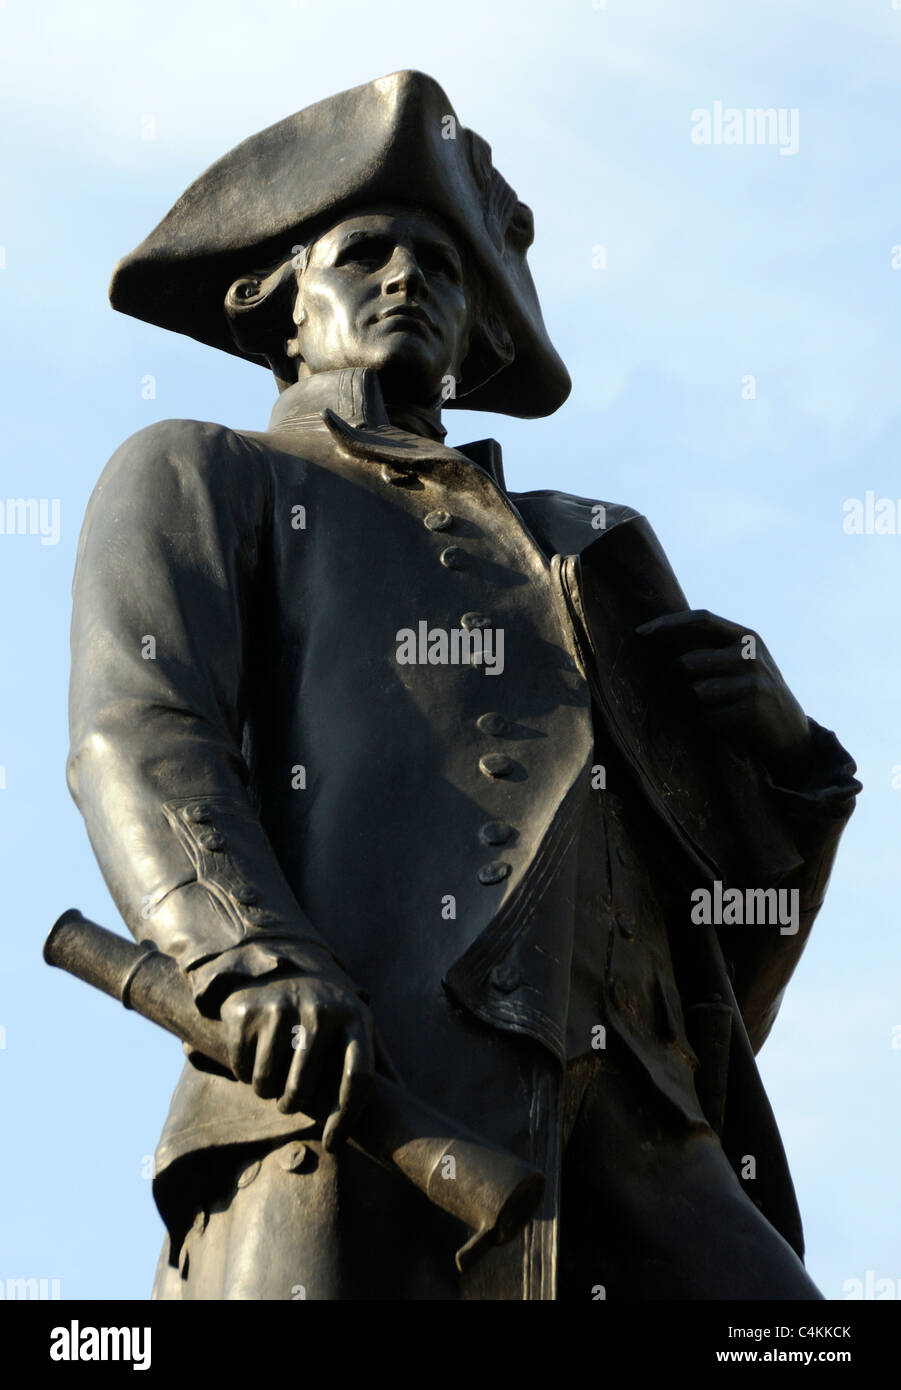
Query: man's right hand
[{"x": 308, "y": 1040}]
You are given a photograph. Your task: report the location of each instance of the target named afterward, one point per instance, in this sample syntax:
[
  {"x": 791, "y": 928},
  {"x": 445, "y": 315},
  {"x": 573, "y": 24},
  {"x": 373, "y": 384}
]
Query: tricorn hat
[{"x": 393, "y": 141}]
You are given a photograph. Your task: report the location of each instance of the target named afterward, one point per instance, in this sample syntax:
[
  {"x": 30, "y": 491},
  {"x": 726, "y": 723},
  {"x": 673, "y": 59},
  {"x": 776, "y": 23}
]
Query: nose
[{"x": 405, "y": 274}]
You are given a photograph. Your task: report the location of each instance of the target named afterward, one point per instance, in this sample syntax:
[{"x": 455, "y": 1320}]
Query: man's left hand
[{"x": 734, "y": 687}]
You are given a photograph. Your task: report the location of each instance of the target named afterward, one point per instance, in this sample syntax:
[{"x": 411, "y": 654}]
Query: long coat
[{"x": 255, "y": 767}]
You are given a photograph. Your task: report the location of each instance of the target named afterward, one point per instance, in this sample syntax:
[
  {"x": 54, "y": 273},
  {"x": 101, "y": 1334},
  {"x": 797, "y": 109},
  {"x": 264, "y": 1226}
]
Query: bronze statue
[{"x": 417, "y": 777}]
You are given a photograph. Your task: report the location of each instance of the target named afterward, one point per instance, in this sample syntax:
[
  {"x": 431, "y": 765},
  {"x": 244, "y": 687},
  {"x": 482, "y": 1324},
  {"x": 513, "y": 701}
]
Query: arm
[
  {"x": 814, "y": 806},
  {"x": 731, "y": 686},
  {"x": 162, "y": 594}
]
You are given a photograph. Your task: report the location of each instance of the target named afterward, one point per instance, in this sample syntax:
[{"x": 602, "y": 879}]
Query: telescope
[{"x": 491, "y": 1190}]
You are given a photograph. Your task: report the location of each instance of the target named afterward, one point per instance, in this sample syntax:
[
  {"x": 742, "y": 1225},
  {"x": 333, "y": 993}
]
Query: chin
[{"x": 408, "y": 373}]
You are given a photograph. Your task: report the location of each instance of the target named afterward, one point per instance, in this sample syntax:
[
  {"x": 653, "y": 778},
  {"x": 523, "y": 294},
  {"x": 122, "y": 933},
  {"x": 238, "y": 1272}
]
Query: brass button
[
  {"x": 438, "y": 520},
  {"x": 492, "y": 723},
  {"x": 496, "y": 765},
  {"x": 495, "y": 872},
  {"x": 495, "y": 832},
  {"x": 453, "y": 558},
  {"x": 211, "y": 839},
  {"x": 245, "y": 894},
  {"x": 199, "y": 813}
]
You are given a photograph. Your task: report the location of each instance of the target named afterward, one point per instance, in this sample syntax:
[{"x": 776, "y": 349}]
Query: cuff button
[{"x": 505, "y": 978}]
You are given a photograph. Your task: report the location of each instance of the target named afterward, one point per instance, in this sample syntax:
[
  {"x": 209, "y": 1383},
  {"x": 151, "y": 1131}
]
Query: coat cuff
[
  {"x": 233, "y": 916},
  {"x": 829, "y": 788},
  {"x": 215, "y": 979}
]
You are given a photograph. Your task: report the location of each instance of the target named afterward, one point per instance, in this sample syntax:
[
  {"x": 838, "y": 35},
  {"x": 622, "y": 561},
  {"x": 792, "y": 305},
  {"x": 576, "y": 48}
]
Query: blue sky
[{"x": 723, "y": 262}]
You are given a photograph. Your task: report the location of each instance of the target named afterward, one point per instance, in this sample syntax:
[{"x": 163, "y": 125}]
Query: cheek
[
  {"x": 459, "y": 317},
  {"x": 331, "y": 311},
  {"x": 321, "y": 308},
  {"x": 458, "y": 308}
]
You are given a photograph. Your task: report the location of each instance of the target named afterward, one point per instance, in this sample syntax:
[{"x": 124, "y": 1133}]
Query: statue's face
[{"x": 385, "y": 290}]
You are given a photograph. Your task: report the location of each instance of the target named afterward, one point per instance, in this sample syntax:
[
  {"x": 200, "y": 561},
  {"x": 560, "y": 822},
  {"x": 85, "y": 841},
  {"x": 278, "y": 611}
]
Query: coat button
[
  {"x": 505, "y": 978},
  {"x": 453, "y": 558},
  {"x": 495, "y": 832},
  {"x": 249, "y": 1174},
  {"x": 246, "y": 894},
  {"x": 624, "y": 925},
  {"x": 495, "y": 872},
  {"x": 496, "y": 765},
  {"x": 472, "y": 620},
  {"x": 438, "y": 520},
  {"x": 211, "y": 839},
  {"x": 492, "y": 723},
  {"x": 199, "y": 813},
  {"x": 294, "y": 1157},
  {"x": 621, "y": 997}
]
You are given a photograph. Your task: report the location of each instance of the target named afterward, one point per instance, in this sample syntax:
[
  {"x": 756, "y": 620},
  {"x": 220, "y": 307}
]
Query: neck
[{"x": 417, "y": 419}]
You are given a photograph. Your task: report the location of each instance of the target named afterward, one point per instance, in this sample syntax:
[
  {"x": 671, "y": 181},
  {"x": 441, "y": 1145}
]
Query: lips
[{"x": 406, "y": 311}]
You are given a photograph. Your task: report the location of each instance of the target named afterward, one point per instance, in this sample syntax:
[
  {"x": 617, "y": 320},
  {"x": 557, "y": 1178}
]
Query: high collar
[{"x": 355, "y": 394}]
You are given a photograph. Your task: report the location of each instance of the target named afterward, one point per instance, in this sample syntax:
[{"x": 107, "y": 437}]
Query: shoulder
[
  {"x": 569, "y": 523},
  {"x": 187, "y": 487},
  {"x": 181, "y": 459},
  {"x": 547, "y": 500},
  {"x": 182, "y": 444}
]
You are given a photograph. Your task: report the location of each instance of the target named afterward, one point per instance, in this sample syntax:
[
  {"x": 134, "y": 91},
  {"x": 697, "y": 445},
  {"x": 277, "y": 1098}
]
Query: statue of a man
[{"x": 407, "y": 770}]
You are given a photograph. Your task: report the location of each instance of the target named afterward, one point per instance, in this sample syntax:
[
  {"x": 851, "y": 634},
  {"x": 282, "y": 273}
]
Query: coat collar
[{"x": 350, "y": 402}]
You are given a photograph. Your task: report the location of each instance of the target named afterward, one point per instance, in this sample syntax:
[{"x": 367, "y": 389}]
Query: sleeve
[
  {"x": 162, "y": 593},
  {"x": 762, "y": 959}
]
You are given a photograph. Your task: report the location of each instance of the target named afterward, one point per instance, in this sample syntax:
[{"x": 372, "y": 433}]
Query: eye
[
  {"x": 437, "y": 259},
  {"x": 365, "y": 251}
]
